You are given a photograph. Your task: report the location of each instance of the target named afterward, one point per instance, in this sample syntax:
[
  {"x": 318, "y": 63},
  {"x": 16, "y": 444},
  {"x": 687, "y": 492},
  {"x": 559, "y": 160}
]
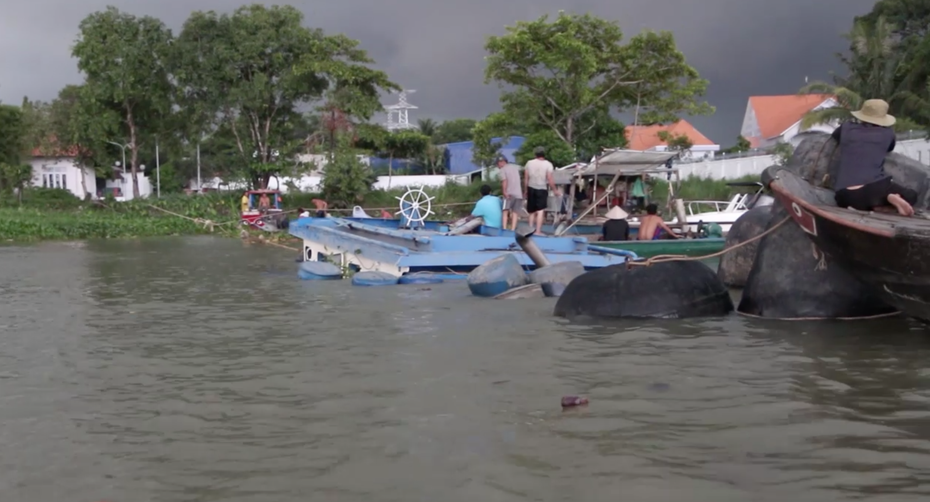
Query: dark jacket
[{"x": 863, "y": 148}]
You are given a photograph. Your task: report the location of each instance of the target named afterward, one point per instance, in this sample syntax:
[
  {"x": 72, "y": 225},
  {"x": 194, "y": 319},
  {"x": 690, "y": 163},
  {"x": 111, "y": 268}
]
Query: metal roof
[{"x": 622, "y": 162}]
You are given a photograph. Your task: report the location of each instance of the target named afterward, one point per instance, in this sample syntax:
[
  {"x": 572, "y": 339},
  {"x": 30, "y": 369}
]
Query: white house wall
[{"x": 72, "y": 174}]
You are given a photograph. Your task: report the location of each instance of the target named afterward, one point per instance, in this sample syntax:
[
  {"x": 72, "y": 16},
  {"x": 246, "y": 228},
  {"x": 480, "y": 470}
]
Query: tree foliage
[
  {"x": 742, "y": 145},
  {"x": 12, "y": 135},
  {"x": 346, "y": 180},
  {"x": 124, "y": 59},
  {"x": 676, "y": 142},
  {"x": 569, "y": 75},
  {"x": 453, "y": 131},
  {"x": 885, "y": 60},
  {"x": 253, "y": 70}
]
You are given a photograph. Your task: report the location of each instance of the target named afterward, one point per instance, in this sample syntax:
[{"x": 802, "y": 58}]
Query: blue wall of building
[
  {"x": 457, "y": 158},
  {"x": 458, "y": 155}
]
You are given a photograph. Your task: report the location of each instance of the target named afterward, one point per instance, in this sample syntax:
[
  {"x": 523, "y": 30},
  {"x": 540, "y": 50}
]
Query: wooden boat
[
  {"x": 686, "y": 247},
  {"x": 887, "y": 251}
]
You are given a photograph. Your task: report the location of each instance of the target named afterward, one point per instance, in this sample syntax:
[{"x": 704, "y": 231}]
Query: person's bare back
[{"x": 651, "y": 223}]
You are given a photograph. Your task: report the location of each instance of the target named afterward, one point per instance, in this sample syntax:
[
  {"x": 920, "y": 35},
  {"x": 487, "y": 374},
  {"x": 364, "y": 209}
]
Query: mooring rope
[
  {"x": 662, "y": 258},
  {"x": 862, "y": 318}
]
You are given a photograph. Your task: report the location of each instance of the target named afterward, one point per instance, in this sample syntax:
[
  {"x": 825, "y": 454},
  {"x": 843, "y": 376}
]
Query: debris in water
[{"x": 570, "y": 401}]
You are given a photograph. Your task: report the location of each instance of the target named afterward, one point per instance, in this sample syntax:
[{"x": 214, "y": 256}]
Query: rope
[
  {"x": 863, "y": 318},
  {"x": 680, "y": 257}
]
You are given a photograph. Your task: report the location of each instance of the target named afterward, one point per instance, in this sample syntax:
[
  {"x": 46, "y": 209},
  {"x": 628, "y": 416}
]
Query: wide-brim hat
[
  {"x": 616, "y": 214},
  {"x": 875, "y": 111}
]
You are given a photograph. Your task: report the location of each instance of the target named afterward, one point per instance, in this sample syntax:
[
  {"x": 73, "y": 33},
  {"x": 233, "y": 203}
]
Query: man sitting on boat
[
  {"x": 616, "y": 228},
  {"x": 861, "y": 182},
  {"x": 264, "y": 202},
  {"x": 321, "y": 207},
  {"x": 651, "y": 226},
  {"x": 489, "y": 208}
]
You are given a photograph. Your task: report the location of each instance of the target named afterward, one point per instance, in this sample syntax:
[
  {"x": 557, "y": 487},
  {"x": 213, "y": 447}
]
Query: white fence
[
  {"x": 737, "y": 167},
  {"x": 312, "y": 183}
]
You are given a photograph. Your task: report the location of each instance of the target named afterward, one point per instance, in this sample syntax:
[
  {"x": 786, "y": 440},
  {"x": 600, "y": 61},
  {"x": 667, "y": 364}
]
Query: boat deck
[{"x": 821, "y": 201}]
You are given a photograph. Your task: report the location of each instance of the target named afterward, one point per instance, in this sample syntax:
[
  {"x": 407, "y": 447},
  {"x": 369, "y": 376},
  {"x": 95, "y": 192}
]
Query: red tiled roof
[
  {"x": 54, "y": 150},
  {"x": 646, "y": 137},
  {"x": 775, "y": 114}
]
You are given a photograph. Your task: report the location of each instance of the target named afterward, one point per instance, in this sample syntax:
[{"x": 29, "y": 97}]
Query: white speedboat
[{"x": 724, "y": 213}]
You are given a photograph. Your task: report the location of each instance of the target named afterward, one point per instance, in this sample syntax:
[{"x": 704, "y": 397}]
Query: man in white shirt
[{"x": 539, "y": 180}]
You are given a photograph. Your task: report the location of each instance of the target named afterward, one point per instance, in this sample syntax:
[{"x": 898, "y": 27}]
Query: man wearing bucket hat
[
  {"x": 616, "y": 228},
  {"x": 861, "y": 181}
]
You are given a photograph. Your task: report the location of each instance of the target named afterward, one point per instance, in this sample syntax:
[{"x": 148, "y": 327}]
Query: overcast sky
[{"x": 435, "y": 46}]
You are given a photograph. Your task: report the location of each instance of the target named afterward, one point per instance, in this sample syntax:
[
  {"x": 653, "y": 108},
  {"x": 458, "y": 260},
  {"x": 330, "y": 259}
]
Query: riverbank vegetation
[{"x": 56, "y": 214}]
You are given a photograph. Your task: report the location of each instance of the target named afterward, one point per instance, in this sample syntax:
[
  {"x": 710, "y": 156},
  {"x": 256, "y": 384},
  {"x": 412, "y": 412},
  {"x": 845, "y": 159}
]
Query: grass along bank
[{"x": 56, "y": 214}]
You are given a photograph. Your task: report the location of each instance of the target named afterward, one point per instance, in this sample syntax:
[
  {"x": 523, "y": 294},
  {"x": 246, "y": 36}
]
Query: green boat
[{"x": 687, "y": 247}]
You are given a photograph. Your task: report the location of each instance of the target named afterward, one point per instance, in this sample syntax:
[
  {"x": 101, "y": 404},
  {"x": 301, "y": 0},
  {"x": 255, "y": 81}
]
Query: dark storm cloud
[{"x": 742, "y": 47}]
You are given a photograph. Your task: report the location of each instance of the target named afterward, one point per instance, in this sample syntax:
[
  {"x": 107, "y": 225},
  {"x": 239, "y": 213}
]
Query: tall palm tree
[
  {"x": 427, "y": 126},
  {"x": 872, "y": 67}
]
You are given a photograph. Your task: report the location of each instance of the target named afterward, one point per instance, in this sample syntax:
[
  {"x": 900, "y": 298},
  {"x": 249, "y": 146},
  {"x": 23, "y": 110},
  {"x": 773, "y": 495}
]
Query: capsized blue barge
[{"x": 382, "y": 246}]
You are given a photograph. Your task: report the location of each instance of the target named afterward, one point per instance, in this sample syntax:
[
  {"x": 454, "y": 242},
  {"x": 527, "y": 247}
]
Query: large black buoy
[
  {"x": 791, "y": 279},
  {"x": 671, "y": 290},
  {"x": 735, "y": 265}
]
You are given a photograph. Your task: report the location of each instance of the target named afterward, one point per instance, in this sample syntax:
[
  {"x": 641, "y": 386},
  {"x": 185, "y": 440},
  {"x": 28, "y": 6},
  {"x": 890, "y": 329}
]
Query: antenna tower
[{"x": 397, "y": 118}]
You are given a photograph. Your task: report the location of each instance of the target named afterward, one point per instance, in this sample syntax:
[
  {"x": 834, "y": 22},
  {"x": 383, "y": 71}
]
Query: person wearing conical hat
[
  {"x": 861, "y": 181},
  {"x": 616, "y": 228}
]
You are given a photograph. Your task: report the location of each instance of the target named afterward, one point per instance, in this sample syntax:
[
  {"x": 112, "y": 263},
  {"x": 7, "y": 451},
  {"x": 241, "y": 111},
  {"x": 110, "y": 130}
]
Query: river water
[{"x": 201, "y": 369}]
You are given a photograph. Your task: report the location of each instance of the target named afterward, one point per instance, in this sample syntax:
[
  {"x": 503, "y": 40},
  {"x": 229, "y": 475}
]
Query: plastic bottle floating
[{"x": 572, "y": 401}]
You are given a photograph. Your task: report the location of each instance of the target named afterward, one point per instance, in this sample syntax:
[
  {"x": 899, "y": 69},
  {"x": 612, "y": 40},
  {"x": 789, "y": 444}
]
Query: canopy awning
[{"x": 622, "y": 162}]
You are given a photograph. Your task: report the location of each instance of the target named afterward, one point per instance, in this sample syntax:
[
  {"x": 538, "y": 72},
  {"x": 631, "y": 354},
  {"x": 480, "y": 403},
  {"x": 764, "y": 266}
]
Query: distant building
[
  {"x": 646, "y": 138},
  {"x": 62, "y": 169},
  {"x": 459, "y": 155},
  {"x": 773, "y": 119}
]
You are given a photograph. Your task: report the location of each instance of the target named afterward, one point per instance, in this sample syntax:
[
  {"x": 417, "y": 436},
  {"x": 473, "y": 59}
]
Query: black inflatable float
[
  {"x": 671, "y": 290},
  {"x": 791, "y": 278},
  {"x": 735, "y": 265}
]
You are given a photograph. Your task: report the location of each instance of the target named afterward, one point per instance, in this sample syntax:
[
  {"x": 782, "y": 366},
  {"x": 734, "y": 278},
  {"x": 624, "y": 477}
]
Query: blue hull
[{"x": 375, "y": 244}]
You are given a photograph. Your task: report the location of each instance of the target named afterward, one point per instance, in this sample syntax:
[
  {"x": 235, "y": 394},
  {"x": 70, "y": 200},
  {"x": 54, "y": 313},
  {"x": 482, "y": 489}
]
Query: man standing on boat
[
  {"x": 861, "y": 182},
  {"x": 539, "y": 180},
  {"x": 513, "y": 193}
]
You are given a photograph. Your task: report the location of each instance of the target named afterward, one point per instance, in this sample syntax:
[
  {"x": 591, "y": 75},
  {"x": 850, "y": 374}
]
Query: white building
[
  {"x": 777, "y": 119},
  {"x": 646, "y": 138},
  {"x": 63, "y": 170}
]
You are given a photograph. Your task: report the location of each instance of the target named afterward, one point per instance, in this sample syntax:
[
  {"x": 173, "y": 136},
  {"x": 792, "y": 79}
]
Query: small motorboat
[
  {"x": 886, "y": 251},
  {"x": 723, "y": 212},
  {"x": 272, "y": 218}
]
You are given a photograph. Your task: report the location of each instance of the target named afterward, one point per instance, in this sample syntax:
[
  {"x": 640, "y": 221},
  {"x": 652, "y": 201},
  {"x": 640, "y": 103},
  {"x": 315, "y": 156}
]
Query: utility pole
[
  {"x": 199, "y": 187},
  {"x": 157, "y": 171}
]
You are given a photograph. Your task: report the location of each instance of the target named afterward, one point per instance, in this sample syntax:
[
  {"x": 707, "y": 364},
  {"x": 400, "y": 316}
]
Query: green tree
[
  {"x": 346, "y": 180},
  {"x": 404, "y": 145},
  {"x": 872, "y": 69},
  {"x": 742, "y": 145},
  {"x": 427, "y": 127},
  {"x": 453, "y": 131},
  {"x": 677, "y": 142},
  {"x": 12, "y": 135},
  {"x": 124, "y": 60},
  {"x": 564, "y": 70},
  {"x": 253, "y": 71},
  {"x": 782, "y": 152}
]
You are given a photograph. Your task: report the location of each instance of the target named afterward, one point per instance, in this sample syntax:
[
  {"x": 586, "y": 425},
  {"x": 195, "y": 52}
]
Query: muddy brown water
[{"x": 201, "y": 369}]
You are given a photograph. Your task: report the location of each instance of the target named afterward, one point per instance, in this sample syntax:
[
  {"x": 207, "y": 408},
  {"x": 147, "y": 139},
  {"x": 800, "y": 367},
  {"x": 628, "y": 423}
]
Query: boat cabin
[
  {"x": 627, "y": 172},
  {"x": 253, "y": 201}
]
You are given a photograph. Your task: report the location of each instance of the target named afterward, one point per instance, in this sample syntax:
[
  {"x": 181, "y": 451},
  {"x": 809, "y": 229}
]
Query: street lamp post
[
  {"x": 157, "y": 171},
  {"x": 123, "y": 148}
]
